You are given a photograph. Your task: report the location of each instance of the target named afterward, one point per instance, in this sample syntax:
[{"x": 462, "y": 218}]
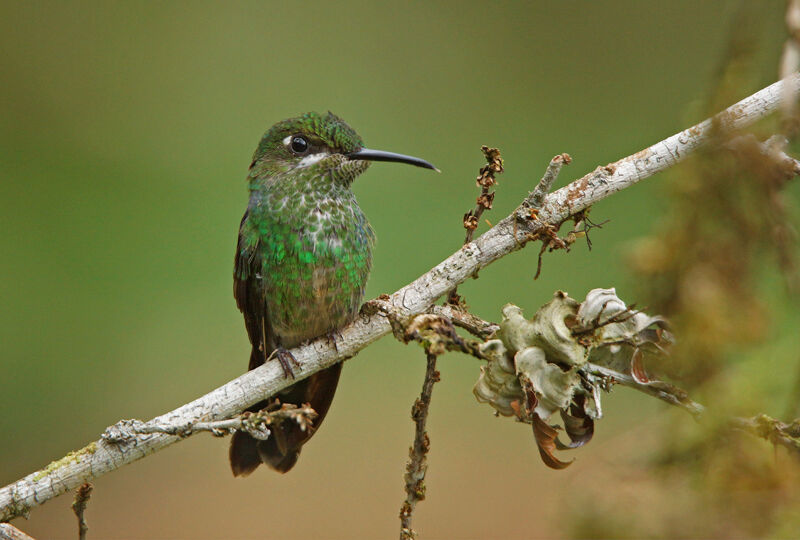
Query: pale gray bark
[{"x": 9, "y": 532}]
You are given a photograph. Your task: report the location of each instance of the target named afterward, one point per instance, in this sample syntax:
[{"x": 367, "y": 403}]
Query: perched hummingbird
[{"x": 302, "y": 261}]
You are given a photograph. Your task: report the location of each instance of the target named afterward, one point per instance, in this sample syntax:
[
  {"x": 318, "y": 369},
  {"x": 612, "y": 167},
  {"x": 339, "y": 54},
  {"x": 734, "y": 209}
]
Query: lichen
[
  {"x": 72, "y": 457},
  {"x": 540, "y": 366}
]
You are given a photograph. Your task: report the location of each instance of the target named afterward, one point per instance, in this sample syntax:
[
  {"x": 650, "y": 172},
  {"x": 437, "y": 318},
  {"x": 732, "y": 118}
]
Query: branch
[
  {"x": 9, "y": 532},
  {"x": 790, "y": 62},
  {"x": 536, "y": 199},
  {"x": 510, "y": 234},
  {"x": 466, "y": 320},
  {"x": 256, "y": 424},
  {"x": 658, "y": 389},
  {"x": 774, "y": 431}
]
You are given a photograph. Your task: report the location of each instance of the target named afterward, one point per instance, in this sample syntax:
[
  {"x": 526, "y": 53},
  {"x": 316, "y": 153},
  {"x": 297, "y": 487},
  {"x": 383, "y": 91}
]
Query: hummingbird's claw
[
  {"x": 332, "y": 336},
  {"x": 286, "y": 359}
]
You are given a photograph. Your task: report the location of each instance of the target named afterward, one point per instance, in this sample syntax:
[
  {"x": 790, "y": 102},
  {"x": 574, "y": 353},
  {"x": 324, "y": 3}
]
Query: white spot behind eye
[
  {"x": 287, "y": 140},
  {"x": 313, "y": 158}
]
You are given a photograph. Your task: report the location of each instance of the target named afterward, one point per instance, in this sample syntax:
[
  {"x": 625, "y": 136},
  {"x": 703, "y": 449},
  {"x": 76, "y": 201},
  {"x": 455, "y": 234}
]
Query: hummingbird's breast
[{"x": 316, "y": 256}]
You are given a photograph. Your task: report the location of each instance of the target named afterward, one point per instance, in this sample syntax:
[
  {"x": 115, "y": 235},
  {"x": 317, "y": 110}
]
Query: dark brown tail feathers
[{"x": 281, "y": 450}]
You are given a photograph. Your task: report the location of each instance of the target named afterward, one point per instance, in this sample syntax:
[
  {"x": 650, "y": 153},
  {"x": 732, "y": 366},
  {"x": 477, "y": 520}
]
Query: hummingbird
[{"x": 302, "y": 262}]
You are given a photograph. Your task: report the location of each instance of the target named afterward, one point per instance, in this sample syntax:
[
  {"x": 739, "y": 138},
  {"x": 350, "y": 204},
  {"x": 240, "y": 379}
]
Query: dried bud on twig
[{"x": 485, "y": 180}]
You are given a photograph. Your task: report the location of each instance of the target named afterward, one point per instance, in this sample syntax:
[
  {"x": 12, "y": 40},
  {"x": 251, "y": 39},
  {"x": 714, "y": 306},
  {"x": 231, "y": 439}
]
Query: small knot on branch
[{"x": 123, "y": 431}]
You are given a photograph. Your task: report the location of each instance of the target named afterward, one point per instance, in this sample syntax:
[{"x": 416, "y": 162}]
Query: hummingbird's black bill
[{"x": 380, "y": 155}]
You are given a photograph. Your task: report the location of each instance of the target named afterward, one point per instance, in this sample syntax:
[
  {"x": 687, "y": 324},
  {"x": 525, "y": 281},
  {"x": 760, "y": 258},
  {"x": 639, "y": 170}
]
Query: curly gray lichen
[{"x": 538, "y": 366}]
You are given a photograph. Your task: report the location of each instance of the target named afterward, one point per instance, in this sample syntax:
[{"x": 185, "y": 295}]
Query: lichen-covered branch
[
  {"x": 434, "y": 329},
  {"x": 508, "y": 235}
]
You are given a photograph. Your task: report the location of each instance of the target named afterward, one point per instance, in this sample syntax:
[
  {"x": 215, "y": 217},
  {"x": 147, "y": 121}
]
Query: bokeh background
[{"x": 126, "y": 130}]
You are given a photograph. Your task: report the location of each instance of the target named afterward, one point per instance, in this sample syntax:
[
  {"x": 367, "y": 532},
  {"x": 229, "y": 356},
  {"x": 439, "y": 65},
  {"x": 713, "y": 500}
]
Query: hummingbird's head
[{"x": 318, "y": 143}]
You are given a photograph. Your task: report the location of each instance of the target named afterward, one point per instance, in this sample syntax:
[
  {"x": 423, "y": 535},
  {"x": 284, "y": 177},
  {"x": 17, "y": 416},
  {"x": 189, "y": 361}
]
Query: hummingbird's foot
[
  {"x": 332, "y": 336},
  {"x": 286, "y": 359}
]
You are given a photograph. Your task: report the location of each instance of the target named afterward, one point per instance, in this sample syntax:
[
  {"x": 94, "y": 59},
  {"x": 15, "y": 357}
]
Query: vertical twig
[
  {"x": 485, "y": 180},
  {"x": 417, "y": 464},
  {"x": 529, "y": 209},
  {"x": 82, "y": 495}
]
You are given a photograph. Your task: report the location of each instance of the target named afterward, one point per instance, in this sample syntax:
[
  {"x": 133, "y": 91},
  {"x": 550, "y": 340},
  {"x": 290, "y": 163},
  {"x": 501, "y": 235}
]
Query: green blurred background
[{"x": 126, "y": 130}]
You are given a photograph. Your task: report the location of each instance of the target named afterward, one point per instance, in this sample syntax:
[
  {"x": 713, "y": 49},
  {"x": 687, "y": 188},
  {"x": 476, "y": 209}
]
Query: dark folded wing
[{"x": 249, "y": 294}]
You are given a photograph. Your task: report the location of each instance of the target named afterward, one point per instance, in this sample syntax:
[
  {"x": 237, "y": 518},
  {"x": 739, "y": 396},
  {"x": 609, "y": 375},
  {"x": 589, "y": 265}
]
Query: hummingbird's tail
[{"x": 281, "y": 450}]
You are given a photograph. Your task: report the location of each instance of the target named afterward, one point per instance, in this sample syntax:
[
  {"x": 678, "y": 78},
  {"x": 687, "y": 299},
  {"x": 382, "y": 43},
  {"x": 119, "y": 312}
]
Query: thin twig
[
  {"x": 774, "y": 168},
  {"x": 256, "y": 424},
  {"x": 466, "y": 320},
  {"x": 529, "y": 210},
  {"x": 774, "y": 431},
  {"x": 770, "y": 152},
  {"x": 418, "y": 463},
  {"x": 82, "y": 495},
  {"x": 437, "y": 334},
  {"x": 486, "y": 179},
  {"x": 659, "y": 389},
  {"x": 101, "y": 457},
  {"x": 536, "y": 198}
]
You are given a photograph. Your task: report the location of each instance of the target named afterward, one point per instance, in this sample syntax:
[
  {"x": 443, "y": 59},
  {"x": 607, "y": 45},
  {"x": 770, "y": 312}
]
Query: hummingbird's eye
[{"x": 299, "y": 144}]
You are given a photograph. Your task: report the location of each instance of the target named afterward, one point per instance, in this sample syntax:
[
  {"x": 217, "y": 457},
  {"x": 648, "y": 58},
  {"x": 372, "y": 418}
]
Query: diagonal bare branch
[{"x": 108, "y": 454}]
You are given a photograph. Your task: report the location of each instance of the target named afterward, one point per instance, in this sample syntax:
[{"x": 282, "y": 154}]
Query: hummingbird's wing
[
  {"x": 250, "y": 300},
  {"x": 282, "y": 448},
  {"x": 249, "y": 295}
]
